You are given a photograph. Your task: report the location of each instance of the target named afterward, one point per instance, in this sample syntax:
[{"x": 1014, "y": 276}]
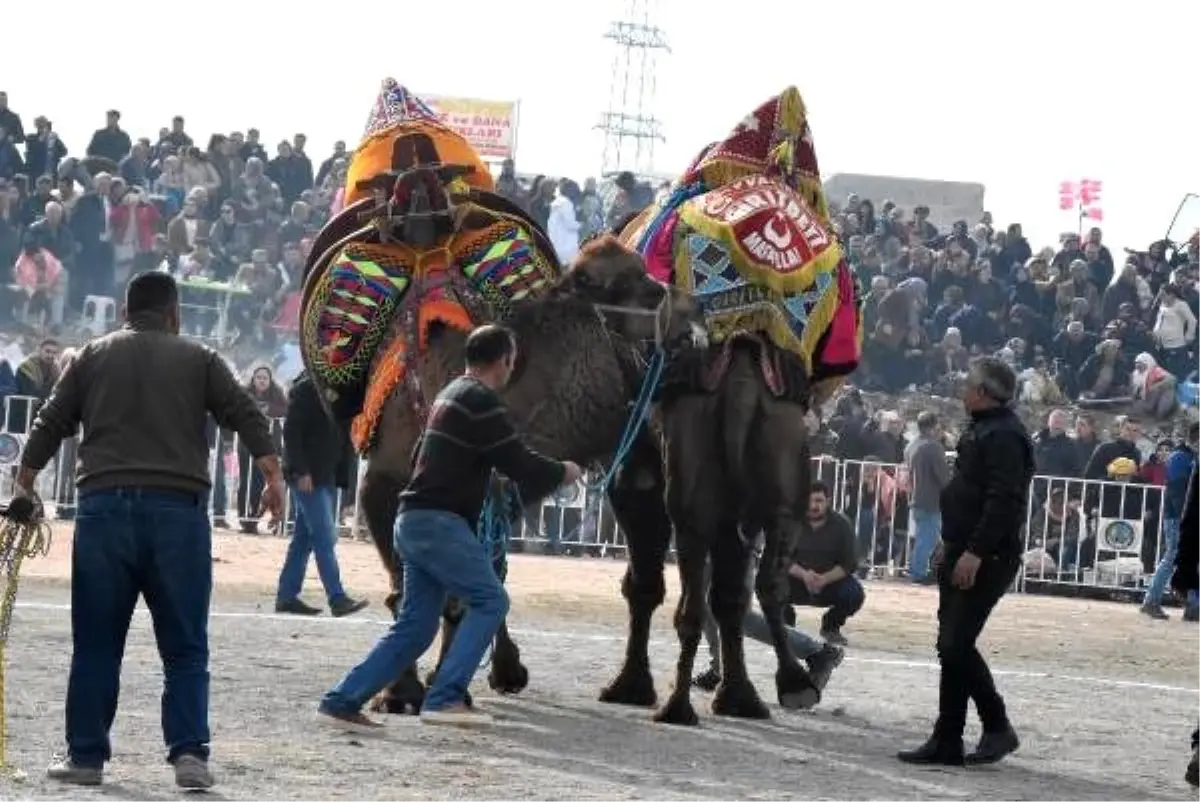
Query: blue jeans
[
  {"x": 441, "y": 557},
  {"x": 925, "y": 526},
  {"x": 1166, "y": 566},
  {"x": 156, "y": 543},
  {"x": 315, "y": 533},
  {"x": 844, "y": 598}
]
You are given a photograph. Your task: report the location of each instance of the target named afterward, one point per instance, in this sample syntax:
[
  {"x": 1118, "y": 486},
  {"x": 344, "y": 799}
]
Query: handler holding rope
[
  {"x": 468, "y": 434},
  {"x": 142, "y": 395}
]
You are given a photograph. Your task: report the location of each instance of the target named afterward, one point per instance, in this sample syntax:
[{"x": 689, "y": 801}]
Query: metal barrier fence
[{"x": 1077, "y": 533}]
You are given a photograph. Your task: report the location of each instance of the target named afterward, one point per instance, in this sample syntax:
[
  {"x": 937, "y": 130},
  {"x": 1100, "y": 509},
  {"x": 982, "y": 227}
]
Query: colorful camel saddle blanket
[
  {"x": 369, "y": 306},
  {"x": 759, "y": 260}
]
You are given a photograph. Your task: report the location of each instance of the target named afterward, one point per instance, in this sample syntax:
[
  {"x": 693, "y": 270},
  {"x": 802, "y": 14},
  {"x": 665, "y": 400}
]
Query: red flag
[{"x": 1089, "y": 191}]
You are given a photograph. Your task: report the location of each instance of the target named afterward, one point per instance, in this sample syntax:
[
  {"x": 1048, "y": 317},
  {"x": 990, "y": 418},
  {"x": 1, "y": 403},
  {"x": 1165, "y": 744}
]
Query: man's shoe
[
  {"x": 835, "y": 637},
  {"x": 68, "y": 771},
  {"x": 1192, "y": 775},
  {"x": 822, "y": 664},
  {"x": 1154, "y": 611},
  {"x": 355, "y": 723},
  {"x": 994, "y": 747},
  {"x": 934, "y": 752},
  {"x": 346, "y": 606},
  {"x": 457, "y": 716},
  {"x": 295, "y": 607},
  {"x": 709, "y": 680},
  {"x": 192, "y": 772}
]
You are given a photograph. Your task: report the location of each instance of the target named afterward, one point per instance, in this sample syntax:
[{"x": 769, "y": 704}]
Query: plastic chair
[{"x": 99, "y": 311}]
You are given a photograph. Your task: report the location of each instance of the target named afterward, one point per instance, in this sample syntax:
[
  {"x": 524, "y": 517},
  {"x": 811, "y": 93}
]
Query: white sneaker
[
  {"x": 457, "y": 716},
  {"x": 355, "y": 723},
  {"x": 66, "y": 771},
  {"x": 192, "y": 772}
]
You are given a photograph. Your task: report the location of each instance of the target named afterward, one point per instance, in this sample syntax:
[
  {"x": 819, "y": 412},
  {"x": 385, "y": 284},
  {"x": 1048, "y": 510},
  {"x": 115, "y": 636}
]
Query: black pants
[{"x": 962, "y": 615}]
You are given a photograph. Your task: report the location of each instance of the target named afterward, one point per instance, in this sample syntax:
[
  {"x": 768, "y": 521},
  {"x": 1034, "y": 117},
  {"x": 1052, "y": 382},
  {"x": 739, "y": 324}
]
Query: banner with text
[{"x": 489, "y": 125}]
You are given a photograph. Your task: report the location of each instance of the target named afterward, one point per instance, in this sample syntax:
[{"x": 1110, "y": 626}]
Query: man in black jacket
[
  {"x": 982, "y": 511},
  {"x": 1187, "y": 580},
  {"x": 316, "y": 461}
]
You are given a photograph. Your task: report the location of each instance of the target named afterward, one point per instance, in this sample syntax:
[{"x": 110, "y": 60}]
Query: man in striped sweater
[{"x": 468, "y": 434}]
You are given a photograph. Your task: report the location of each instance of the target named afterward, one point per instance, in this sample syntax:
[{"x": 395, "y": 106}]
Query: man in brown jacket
[{"x": 142, "y": 395}]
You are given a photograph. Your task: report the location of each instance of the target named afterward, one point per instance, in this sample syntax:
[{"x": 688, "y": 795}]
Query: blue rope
[{"x": 637, "y": 416}]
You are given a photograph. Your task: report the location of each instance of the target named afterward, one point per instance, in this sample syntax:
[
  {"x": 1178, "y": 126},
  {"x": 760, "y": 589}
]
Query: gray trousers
[{"x": 754, "y": 625}]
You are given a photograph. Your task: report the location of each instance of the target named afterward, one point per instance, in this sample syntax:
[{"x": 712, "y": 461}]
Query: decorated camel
[
  {"x": 424, "y": 251},
  {"x": 745, "y": 231}
]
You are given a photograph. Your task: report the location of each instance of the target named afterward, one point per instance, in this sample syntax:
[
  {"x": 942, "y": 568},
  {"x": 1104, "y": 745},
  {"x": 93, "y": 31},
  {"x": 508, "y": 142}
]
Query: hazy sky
[{"x": 1018, "y": 95}]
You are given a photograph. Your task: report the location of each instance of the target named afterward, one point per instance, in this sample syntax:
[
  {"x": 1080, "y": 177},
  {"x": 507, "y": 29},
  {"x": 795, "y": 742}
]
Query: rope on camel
[{"x": 24, "y": 534}]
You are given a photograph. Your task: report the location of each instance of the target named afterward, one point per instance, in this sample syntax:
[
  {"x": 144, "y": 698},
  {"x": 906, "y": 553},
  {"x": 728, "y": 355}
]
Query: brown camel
[{"x": 582, "y": 352}]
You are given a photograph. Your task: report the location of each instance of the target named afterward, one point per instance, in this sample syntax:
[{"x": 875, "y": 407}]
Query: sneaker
[
  {"x": 1154, "y": 611},
  {"x": 835, "y": 637},
  {"x": 191, "y": 771},
  {"x": 295, "y": 607},
  {"x": 68, "y": 771},
  {"x": 709, "y": 680},
  {"x": 822, "y": 664},
  {"x": 346, "y": 606},
  {"x": 355, "y": 723},
  {"x": 457, "y": 716}
]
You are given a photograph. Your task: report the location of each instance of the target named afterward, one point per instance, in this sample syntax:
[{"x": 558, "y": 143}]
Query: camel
[
  {"x": 731, "y": 419},
  {"x": 421, "y": 253}
]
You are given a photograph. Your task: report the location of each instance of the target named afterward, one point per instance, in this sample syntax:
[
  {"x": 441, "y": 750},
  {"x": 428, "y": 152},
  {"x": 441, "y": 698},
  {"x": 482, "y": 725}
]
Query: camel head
[{"x": 613, "y": 279}]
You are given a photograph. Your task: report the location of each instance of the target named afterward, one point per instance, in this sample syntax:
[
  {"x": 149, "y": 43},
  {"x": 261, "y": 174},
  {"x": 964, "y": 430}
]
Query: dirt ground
[{"x": 1103, "y": 698}]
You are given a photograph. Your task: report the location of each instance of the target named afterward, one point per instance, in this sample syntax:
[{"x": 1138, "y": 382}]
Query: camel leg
[
  {"x": 695, "y": 503},
  {"x": 508, "y": 675},
  {"x": 782, "y": 446},
  {"x": 729, "y": 596},
  {"x": 637, "y": 501}
]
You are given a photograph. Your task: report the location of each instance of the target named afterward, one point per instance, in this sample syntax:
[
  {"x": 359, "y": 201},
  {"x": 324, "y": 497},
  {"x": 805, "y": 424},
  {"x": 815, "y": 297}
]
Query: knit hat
[{"x": 1122, "y": 466}]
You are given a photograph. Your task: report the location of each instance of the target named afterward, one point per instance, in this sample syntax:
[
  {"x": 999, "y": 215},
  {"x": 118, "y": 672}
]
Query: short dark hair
[
  {"x": 927, "y": 421},
  {"x": 995, "y": 379},
  {"x": 819, "y": 487},
  {"x": 151, "y": 292},
  {"x": 489, "y": 344}
]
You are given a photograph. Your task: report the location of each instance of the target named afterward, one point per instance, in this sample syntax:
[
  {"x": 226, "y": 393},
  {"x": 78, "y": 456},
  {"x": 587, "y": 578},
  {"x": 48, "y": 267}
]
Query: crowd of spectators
[{"x": 1076, "y": 324}]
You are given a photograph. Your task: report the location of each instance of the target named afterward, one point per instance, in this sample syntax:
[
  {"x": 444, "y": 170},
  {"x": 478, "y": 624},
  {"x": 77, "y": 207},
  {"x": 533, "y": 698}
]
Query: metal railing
[{"x": 1077, "y": 533}]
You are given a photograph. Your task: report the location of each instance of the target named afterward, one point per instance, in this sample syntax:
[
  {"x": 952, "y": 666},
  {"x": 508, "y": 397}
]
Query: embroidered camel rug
[
  {"x": 370, "y": 296},
  {"x": 746, "y": 231}
]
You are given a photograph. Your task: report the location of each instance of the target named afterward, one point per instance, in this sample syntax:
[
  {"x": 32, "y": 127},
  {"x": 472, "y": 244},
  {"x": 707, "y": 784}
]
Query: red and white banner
[{"x": 1084, "y": 196}]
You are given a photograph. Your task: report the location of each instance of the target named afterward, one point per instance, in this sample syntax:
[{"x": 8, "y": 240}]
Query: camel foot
[
  {"x": 739, "y": 699},
  {"x": 678, "y": 710},
  {"x": 403, "y": 697},
  {"x": 634, "y": 686},
  {"x": 795, "y": 688},
  {"x": 508, "y": 677}
]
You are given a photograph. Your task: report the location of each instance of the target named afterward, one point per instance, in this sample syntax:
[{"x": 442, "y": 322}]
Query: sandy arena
[{"x": 1104, "y": 701}]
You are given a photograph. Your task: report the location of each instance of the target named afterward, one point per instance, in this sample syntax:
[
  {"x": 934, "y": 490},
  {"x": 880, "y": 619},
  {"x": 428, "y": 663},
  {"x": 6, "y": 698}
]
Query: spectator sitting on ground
[
  {"x": 1153, "y": 388},
  {"x": 823, "y": 566}
]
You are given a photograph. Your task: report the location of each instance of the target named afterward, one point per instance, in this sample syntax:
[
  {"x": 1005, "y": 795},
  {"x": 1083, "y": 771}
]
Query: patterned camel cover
[
  {"x": 746, "y": 231},
  {"x": 369, "y": 300}
]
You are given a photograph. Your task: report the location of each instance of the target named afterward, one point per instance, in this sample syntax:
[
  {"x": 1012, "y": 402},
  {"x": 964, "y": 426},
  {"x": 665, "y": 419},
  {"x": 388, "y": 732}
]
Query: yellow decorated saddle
[
  {"x": 422, "y": 240},
  {"x": 746, "y": 231}
]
